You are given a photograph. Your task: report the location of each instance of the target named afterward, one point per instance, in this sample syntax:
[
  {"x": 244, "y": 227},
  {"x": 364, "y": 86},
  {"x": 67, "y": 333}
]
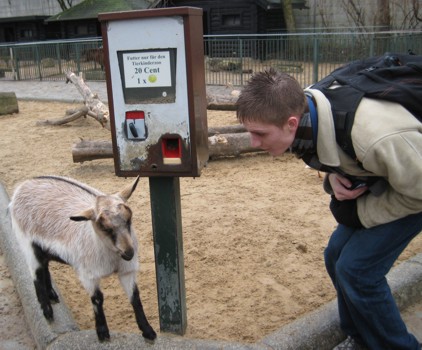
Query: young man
[{"x": 376, "y": 201}]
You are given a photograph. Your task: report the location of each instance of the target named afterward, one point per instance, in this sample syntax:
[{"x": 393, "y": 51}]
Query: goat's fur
[{"x": 58, "y": 218}]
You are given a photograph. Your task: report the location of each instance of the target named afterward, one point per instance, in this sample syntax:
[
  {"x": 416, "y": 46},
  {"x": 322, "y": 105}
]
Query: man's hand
[{"x": 341, "y": 188}]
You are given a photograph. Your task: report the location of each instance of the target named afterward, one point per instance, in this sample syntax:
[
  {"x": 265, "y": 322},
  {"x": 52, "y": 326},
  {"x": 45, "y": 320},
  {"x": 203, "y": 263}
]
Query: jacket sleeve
[{"x": 398, "y": 158}]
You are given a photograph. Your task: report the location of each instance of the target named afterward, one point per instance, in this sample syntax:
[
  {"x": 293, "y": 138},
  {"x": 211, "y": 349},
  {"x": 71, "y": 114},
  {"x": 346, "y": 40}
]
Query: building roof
[
  {"x": 275, "y": 4},
  {"x": 91, "y": 8}
]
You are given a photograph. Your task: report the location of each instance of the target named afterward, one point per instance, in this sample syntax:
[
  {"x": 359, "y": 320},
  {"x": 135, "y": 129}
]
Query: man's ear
[{"x": 293, "y": 122}]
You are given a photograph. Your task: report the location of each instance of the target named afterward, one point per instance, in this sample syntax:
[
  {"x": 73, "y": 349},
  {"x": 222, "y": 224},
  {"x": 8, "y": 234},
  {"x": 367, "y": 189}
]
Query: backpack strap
[
  {"x": 344, "y": 101},
  {"x": 314, "y": 118}
]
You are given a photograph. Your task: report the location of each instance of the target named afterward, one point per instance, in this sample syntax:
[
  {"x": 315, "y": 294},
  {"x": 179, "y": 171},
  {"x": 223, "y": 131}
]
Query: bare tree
[
  {"x": 416, "y": 10},
  {"x": 287, "y": 7},
  {"x": 411, "y": 13},
  {"x": 356, "y": 12},
  {"x": 65, "y": 4},
  {"x": 388, "y": 14},
  {"x": 382, "y": 17}
]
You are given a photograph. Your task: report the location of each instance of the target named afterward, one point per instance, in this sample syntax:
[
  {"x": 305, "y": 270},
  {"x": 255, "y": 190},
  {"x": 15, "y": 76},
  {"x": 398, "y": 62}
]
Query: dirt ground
[{"x": 254, "y": 230}]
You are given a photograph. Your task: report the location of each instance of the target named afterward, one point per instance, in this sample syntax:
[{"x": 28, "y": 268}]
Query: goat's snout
[{"x": 127, "y": 254}]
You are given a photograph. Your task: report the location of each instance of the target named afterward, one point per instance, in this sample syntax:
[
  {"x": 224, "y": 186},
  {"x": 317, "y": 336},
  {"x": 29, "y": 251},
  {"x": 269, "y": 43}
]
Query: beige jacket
[{"x": 388, "y": 142}]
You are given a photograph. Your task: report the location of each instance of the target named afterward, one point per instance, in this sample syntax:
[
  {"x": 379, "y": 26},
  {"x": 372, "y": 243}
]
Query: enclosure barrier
[{"x": 230, "y": 59}]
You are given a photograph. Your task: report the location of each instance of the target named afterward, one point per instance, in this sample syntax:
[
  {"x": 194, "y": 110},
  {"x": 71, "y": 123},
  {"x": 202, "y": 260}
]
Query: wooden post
[{"x": 168, "y": 248}]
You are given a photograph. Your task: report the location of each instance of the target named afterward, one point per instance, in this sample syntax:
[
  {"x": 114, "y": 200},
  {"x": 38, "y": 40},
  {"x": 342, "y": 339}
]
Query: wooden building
[
  {"x": 81, "y": 21},
  {"x": 241, "y": 16}
]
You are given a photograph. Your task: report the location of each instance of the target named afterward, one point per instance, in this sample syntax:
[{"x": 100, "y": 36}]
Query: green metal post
[
  {"x": 168, "y": 247},
  {"x": 315, "y": 59},
  {"x": 59, "y": 59},
  {"x": 38, "y": 60},
  {"x": 241, "y": 60},
  {"x": 78, "y": 58}
]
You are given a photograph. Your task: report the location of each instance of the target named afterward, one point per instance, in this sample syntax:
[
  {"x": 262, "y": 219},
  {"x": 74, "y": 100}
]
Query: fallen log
[
  {"x": 91, "y": 150},
  {"x": 94, "y": 107},
  {"x": 223, "y": 102},
  {"x": 228, "y": 129},
  {"x": 67, "y": 119},
  {"x": 97, "y": 109},
  {"x": 222, "y": 145},
  {"x": 228, "y": 145}
]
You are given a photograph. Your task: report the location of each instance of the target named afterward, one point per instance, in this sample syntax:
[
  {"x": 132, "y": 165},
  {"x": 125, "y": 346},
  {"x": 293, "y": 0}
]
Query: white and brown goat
[{"x": 61, "y": 219}]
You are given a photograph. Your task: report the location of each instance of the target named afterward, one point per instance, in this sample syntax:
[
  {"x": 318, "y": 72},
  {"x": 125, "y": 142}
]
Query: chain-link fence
[{"x": 229, "y": 60}]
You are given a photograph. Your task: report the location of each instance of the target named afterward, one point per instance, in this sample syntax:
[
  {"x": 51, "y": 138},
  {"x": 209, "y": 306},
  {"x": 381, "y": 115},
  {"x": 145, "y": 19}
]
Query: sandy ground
[{"x": 254, "y": 230}]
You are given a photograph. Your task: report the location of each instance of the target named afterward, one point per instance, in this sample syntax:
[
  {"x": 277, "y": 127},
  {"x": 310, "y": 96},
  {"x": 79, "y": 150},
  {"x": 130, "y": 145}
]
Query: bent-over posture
[{"x": 376, "y": 198}]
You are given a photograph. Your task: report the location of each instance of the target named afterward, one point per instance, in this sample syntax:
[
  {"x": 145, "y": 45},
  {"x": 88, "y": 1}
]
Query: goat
[{"x": 61, "y": 219}]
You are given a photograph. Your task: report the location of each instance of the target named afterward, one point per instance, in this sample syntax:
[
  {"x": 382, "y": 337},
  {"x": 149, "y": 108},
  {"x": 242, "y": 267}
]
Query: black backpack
[{"x": 393, "y": 77}]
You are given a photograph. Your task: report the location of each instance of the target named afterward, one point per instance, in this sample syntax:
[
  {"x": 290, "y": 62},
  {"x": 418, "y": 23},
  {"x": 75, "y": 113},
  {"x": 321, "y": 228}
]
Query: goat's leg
[
  {"x": 141, "y": 320},
  {"x": 129, "y": 285},
  {"x": 101, "y": 327},
  {"x": 39, "y": 263},
  {"x": 52, "y": 295}
]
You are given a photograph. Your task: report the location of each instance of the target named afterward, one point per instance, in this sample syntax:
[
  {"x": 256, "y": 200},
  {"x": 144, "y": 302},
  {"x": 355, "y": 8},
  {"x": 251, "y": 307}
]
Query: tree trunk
[
  {"x": 219, "y": 145},
  {"x": 222, "y": 102},
  {"x": 97, "y": 109},
  {"x": 70, "y": 117},
  {"x": 383, "y": 18},
  {"x": 228, "y": 145},
  {"x": 287, "y": 7},
  {"x": 229, "y": 129},
  {"x": 94, "y": 107},
  {"x": 91, "y": 150}
]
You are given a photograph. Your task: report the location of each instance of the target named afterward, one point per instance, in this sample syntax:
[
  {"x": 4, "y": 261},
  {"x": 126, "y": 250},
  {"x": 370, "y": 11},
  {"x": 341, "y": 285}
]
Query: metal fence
[{"x": 229, "y": 60}]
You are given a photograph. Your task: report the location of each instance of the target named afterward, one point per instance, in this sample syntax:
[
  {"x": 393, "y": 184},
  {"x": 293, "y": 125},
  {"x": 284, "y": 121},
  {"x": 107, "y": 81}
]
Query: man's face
[{"x": 271, "y": 138}]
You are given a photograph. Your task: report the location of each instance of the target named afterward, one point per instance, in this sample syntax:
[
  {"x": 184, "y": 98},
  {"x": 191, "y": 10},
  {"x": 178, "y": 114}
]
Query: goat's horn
[{"x": 127, "y": 192}]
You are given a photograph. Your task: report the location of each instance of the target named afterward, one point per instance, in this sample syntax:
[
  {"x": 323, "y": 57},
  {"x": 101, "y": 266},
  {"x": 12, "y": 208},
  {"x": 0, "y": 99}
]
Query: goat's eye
[{"x": 107, "y": 230}]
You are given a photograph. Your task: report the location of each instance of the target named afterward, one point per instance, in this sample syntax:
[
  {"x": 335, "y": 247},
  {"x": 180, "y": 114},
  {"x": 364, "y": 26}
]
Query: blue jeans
[{"x": 357, "y": 261}]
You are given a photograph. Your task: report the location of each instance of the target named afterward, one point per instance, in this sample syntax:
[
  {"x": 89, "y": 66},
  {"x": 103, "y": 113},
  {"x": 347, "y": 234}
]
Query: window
[
  {"x": 81, "y": 29},
  {"x": 26, "y": 33},
  {"x": 231, "y": 20}
]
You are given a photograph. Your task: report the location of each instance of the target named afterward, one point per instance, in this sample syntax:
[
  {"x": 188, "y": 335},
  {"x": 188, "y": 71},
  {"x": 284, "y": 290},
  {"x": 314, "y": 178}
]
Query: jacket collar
[{"x": 327, "y": 154}]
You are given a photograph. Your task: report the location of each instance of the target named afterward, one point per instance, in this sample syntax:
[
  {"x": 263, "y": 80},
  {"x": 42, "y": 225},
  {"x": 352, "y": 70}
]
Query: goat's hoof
[
  {"x": 48, "y": 313},
  {"x": 52, "y": 295},
  {"x": 103, "y": 335},
  {"x": 149, "y": 334}
]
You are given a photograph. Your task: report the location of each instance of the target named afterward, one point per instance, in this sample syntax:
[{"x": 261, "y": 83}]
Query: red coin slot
[
  {"x": 171, "y": 148},
  {"x": 135, "y": 115}
]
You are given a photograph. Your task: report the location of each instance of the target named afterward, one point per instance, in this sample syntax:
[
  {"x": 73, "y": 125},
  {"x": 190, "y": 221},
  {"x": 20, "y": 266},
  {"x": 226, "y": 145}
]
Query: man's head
[{"x": 270, "y": 107}]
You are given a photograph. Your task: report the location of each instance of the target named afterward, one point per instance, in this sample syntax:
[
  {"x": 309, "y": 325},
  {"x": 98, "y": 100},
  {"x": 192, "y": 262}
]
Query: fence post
[
  {"x": 371, "y": 45},
  {"x": 38, "y": 60},
  {"x": 13, "y": 63},
  {"x": 315, "y": 59},
  {"x": 18, "y": 75},
  {"x": 59, "y": 59},
  {"x": 78, "y": 58},
  {"x": 241, "y": 60}
]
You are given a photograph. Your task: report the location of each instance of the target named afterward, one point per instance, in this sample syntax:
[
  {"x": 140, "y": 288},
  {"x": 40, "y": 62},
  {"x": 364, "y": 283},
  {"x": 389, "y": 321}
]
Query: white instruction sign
[{"x": 147, "y": 69}]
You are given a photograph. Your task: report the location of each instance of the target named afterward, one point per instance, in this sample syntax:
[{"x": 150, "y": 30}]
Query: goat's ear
[
  {"x": 85, "y": 215},
  {"x": 127, "y": 192}
]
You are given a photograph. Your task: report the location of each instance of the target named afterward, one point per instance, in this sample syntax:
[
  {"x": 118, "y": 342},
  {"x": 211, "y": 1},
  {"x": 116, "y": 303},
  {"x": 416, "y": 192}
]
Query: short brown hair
[{"x": 270, "y": 97}]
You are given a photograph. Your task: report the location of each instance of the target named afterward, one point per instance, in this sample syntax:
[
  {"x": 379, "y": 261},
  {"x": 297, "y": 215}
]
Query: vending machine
[{"x": 154, "y": 62}]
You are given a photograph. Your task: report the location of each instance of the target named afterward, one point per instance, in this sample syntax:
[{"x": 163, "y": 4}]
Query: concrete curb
[{"x": 318, "y": 330}]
